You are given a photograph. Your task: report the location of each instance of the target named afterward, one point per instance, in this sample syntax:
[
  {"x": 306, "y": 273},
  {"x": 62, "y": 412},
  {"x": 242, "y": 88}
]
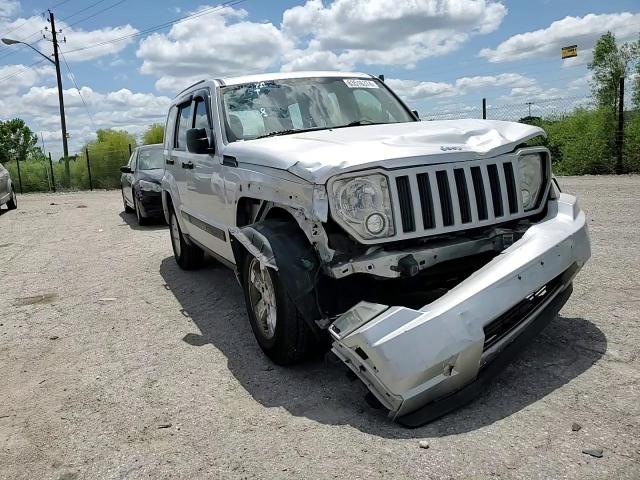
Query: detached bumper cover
[
  {"x": 412, "y": 359},
  {"x": 151, "y": 203}
]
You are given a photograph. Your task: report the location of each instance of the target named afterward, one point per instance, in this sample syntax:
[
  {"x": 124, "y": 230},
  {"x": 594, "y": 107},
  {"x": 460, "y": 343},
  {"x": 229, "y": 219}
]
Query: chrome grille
[{"x": 442, "y": 198}]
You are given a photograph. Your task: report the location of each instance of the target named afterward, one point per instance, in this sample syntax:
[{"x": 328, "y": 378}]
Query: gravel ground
[{"x": 116, "y": 364}]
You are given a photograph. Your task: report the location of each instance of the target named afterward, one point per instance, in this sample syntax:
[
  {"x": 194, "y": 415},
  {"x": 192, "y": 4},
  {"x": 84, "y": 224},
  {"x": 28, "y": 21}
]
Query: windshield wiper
[
  {"x": 292, "y": 130},
  {"x": 359, "y": 123}
]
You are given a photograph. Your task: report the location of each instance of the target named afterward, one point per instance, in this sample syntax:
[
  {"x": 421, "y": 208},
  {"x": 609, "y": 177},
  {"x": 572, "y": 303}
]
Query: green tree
[
  {"x": 107, "y": 153},
  {"x": 17, "y": 141},
  {"x": 610, "y": 63},
  {"x": 153, "y": 134}
]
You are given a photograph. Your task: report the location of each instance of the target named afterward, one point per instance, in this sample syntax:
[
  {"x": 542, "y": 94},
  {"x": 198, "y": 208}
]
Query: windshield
[
  {"x": 280, "y": 107},
  {"x": 150, "y": 159}
]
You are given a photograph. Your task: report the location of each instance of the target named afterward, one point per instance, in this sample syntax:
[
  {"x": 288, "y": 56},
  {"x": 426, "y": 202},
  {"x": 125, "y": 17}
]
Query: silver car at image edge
[
  {"x": 7, "y": 191},
  {"x": 428, "y": 254}
]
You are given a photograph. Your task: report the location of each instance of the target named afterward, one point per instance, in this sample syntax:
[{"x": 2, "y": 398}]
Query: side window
[
  {"x": 170, "y": 128},
  {"x": 201, "y": 118},
  {"x": 131, "y": 163},
  {"x": 184, "y": 124},
  {"x": 134, "y": 161}
]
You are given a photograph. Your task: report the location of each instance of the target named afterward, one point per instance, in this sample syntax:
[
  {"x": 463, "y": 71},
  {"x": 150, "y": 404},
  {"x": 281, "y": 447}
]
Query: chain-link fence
[
  {"x": 90, "y": 169},
  {"x": 549, "y": 109},
  {"x": 583, "y": 138}
]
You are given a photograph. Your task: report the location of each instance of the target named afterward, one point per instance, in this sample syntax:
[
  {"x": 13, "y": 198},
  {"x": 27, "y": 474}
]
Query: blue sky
[{"x": 440, "y": 55}]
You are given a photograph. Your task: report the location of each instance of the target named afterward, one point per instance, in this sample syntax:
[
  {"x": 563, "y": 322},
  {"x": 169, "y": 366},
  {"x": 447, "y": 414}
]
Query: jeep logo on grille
[{"x": 446, "y": 148}]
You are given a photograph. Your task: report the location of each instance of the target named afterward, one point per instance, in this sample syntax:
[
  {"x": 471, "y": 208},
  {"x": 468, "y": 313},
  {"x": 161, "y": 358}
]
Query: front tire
[
  {"x": 281, "y": 332},
  {"x": 142, "y": 220},
  {"x": 188, "y": 256},
  {"x": 12, "y": 204},
  {"x": 127, "y": 208}
]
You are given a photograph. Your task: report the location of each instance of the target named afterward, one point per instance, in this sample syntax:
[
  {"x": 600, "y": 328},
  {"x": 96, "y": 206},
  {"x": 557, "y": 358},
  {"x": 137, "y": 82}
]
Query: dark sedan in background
[
  {"x": 7, "y": 193},
  {"x": 141, "y": 177}
]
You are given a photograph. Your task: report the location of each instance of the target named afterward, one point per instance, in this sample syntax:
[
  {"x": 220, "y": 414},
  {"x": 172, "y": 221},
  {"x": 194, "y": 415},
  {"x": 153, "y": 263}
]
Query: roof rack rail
[{"x": 189, "y": 87}]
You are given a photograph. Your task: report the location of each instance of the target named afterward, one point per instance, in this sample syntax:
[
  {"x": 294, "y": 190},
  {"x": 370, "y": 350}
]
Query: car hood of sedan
[
  {"x": 318, "y": 155},
  {"x": 153, "y": 175}
]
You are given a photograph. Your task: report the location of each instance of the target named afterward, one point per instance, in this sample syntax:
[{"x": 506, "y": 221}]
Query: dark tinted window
[{"x": 184, "y": 124}]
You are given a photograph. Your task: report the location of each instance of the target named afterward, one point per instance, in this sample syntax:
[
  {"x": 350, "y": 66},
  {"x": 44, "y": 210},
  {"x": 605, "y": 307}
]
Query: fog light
[{"x": 375, "y": 223}]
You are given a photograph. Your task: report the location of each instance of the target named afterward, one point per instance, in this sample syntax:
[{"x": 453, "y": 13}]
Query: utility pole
[
  {"x": 529, "y": 104},
  {"x": 620, "y": 132},
  {"x": 63, "y": 122}
]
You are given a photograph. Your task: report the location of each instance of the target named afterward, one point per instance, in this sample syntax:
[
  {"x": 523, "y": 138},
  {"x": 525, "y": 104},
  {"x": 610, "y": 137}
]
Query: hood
[{"x": 317, "y": 156}]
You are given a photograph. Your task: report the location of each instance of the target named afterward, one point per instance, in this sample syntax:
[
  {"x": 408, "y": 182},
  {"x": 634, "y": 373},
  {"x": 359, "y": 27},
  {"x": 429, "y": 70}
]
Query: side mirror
[
  {"x": 197, "y": 141},
  {"x": 126, "y": 169},
  {"x": 415, "y": 112}
]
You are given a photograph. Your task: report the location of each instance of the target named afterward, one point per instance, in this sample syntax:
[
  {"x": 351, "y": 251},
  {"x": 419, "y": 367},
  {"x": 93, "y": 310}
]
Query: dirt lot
[{"x": 116, "y": 364}]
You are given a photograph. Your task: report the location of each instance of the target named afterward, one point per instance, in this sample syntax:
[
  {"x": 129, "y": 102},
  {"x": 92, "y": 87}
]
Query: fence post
[
  {"x": 484, "y": 108},
  {"x": 19, "y": 175},
  {"x": 620, "y": 132},
  {"x": 53, "y": 179},
  {"x": 130, "y": 151},
  {"x": 86, "y": 151}
]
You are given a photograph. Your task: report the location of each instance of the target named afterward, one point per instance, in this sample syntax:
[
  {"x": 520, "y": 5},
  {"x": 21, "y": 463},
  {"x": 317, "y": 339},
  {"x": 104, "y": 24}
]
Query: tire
[
  {"x": 188, "y": 256},
  {"x": 127, "y": 208},
  {"x": 12, "y": 204},
  {"x": 142, "y": 221},
  {"x": 286, "y": 340}
]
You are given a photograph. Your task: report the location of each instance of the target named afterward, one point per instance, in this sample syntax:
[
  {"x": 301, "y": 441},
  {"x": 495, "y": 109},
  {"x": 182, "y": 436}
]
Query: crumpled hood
[{"x": 317, "y": 156}]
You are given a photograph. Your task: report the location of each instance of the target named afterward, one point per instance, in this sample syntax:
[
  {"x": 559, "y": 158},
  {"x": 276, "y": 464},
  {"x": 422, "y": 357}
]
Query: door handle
[
  {"x": 188, "y": 165},
  {"x": 229, "y": 161},
  {"x": 170, "y": 161}
]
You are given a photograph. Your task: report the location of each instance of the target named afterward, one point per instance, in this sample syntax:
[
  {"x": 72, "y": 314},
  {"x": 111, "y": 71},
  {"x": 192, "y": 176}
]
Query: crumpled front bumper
[{"x": 412, "y": 359}]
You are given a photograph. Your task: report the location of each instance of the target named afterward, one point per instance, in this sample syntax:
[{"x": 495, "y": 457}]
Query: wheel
[
  {"x": 142, "y": 221},
  {"x": 279, "y": 329},
  {"x": 127, "y": 208},
  {"x": 188, "y": 256},
  {"x": 12, "y": 204}
]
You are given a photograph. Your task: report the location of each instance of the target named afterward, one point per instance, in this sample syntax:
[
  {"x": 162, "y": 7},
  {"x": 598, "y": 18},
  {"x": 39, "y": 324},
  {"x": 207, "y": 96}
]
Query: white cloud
[
  {"x": 77, "y": 39},
  {"x": 221, "y": 43},
  {"x": 412, "y": 90},
  {"x": 9, "y": 8},
  {"x": 581, "y": 31},
  {"x": 122, "y": 109},
  {"x": 19, "y": 77},
  {"x": 384, "y": 32},
  {"x": 28, "y": 30}
]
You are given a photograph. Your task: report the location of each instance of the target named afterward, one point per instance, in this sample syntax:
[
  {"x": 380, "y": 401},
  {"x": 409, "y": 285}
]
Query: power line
[
  {"x": 161, "y": 26},
  {"x": 73, "y": 79},
  {"x": 22, "y": 68},
  {"x": 97, "y": 13},
  {"x": 82, "y": 10}
]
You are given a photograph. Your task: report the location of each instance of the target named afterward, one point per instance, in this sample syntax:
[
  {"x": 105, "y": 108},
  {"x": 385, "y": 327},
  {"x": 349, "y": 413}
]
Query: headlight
[
  {"x": 149, "y": 186},
  {"x": 364, "y": 204},
  {"x": 530, "y": 166}
]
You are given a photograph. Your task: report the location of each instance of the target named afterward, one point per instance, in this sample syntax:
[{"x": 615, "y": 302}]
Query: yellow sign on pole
[{"x": 569, "y": 52}]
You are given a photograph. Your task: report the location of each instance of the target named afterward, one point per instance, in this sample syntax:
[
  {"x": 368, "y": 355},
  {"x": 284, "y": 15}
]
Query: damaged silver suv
[{"x": 425, "y": 253}]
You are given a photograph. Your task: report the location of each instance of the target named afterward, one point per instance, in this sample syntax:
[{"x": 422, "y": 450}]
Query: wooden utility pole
[
  {"x": 620, "y": 132},
  {"x": 63, "y": 122}
]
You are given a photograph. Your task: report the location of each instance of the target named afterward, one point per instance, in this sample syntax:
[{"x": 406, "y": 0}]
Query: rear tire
[
  {"x": 12, "y": 204},
  {"x": 280, "y": 330},
  {"x": 188, "y": 256}
]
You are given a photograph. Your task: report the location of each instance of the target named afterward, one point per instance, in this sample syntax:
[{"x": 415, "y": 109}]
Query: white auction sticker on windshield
[{"x": 359, "y": 83}]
